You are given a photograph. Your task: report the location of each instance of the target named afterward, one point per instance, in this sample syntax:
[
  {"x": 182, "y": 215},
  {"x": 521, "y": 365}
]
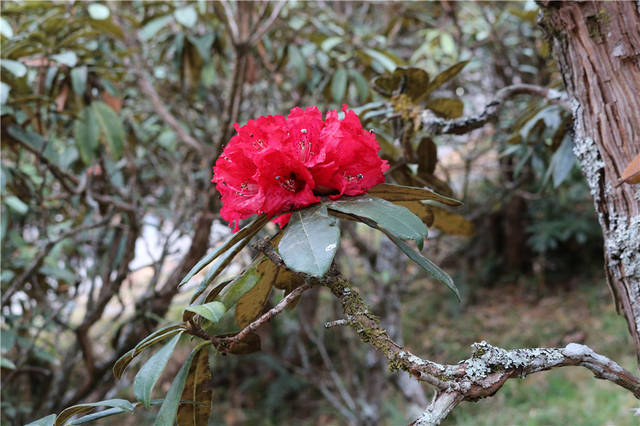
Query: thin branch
[
  {"x": 145, "y": 85},
  {"x": 226, "y": 16},
  {"x": 37, "y": 262},
  {"x": 286, "y": 301},
  {"x": 266, "y": 25},
  {"x": 440, "y": 126},
  {"x": 480, "y": 376}
]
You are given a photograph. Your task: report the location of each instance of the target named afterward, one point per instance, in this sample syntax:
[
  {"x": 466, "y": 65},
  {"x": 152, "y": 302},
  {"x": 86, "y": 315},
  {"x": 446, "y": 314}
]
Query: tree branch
[
  {"x": 478, "y": 377},
  {"x": 458, "y": 126}
]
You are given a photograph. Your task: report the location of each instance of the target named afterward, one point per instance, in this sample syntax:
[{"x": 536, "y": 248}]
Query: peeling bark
[{"x": 598, "y": 48}]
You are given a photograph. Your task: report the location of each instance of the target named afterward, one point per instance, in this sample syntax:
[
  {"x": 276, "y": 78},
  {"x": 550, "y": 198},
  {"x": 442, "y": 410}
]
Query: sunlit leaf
[
  {"x": 16, "y": 204},
  {"x": 212, "y": 311},
  {"x": 67, "y": 58},
  {"x": 152, "y": 27},
  {"x": 49, "y": 420},
  {"x": 5, "y": 28},
  {"x": 186, "y": 16},
  {"x": 79, "y": 79},
  {"x": 16, "y": 68},
  {"x": 98, "y": 11}
]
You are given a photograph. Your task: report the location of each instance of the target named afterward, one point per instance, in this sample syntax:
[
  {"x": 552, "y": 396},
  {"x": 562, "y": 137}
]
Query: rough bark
[{"x": 598, "y": 48}]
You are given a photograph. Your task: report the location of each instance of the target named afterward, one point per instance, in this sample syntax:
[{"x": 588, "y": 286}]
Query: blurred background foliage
[{"x": 113, "y": 114}]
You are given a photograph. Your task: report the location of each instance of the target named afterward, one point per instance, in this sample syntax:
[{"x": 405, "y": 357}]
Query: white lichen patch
[
  {"x": 623, "y": 246},
  {"x": 487, "y": 359}
]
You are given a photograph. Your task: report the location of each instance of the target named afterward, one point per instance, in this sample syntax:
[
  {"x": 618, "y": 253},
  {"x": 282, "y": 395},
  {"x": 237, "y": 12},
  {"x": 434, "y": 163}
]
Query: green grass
[{"x": 506, "y": 317}]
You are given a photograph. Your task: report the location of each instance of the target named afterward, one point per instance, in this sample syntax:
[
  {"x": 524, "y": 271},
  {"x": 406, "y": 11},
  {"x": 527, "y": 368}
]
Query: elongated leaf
[
  {"x": 111, "y": 127},
  {"x": 95, "y": 416},
  {"x": 79, "y": 79},
  {"x": 424, "y": 212},
  {"x": 384, "y": 60},
  {"x": 563, "y": 161},
  {"x": 394, "y": 218},
  {"x": 212, "y": 311},
  {"x": 251, "y": 304},
  {"x": 425, "y": 264},
  {"x": 446, "y": 107},
  {"x": 247, "y": 232},
  {"x": 195, "y": 408},
  {"x": 444, "y": 76},
  {"x": 310, "y": 241},
  {"x": 230, "y": 295},
  {"x": 150, "y": 372},
  {"x": 427, "y": 156},
  {"x": 631, "y": 173},
  {"x": 169, "y": 408},
  {"x": 152, "y": 27},
  {"x": 451, "y": 223},
  {"x": 80, "y": 409},
  {"x": 392, "y": 192},
  {"x": 339, "y": 84},
  {"x": 49, "y": 420},
  {"x": 361, "y": 84},
  {"x": 86, "y": 133},
  {"x": 121, "y": 364}
]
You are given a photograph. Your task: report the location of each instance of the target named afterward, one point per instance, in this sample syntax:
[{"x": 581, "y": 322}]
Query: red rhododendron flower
[{"x": 275, "y": 165}]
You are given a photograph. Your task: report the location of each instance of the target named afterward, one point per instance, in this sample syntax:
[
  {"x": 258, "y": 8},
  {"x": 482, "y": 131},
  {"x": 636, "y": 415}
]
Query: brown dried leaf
[
  {"x": 61, "y": 99},
  {"x": 424, "y": 212},
  {"x": 451, "y": 223},
  {"x": 631, "y": 173},
  {"x": 195, "y": 405},
  {"x": 113, "y": 101}
]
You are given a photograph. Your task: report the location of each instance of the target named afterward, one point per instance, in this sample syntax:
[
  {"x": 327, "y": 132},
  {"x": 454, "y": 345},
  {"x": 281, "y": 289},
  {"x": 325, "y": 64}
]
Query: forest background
[{"x": 113, "y": 114}]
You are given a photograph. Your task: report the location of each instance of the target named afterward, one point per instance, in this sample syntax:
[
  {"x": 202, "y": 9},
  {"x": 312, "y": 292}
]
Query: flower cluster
[{"x": 276, "y": 164}]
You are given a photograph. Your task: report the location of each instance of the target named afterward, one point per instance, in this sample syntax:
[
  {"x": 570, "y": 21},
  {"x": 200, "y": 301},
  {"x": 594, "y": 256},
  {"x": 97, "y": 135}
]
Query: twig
[
  {"x": 440, "y": 126},
  {"x": 336, "y": 323},
  {"x": 257, "y": 35},
  {"x": 18, "y": 282},
  {"x": 230, "y": 342}
]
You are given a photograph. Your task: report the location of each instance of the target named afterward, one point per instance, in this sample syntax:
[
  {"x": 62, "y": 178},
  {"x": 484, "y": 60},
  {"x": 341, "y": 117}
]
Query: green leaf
[
  {"x": 80, "y": 409},
  {"x": 16, "y": 204},
  {"x": 155, "y": 337},
  {"x": 391, "y": 217},
  {"x": 150, "y": 372},
  {"x": 186, "y": 16},
  {"x": 330, "y": 42},
  {"x": 247, "y": 232},
  {"x": 79, "y": 79},
  {"x": 339, "y": 84},
  {"x": 86, "y": 133},
  {"x": 230, "y": 295},
  {"x": 361, "y": 84},
  {"x": 95, "y": 416},
  {"x": 425, "y": 264},
  {"x": 563, "y": 161},
  {"x": 297, "y": 62},
  {"x": 195, "y": 408},
  {"x": 98, "y": 11},
  {"x": 392, "y": 192},
  {"x": 152, "y": 27},
  {"x": 14, "y": 67},
  {"x": 4, "y": 92},
  {"x": 381, "y": 58},
  {"x": 6, "y": 363},
  {"x": 448, "y": 44},
  {"x": 310, "y": 241},
  {"x": 49, "y": 420},
  {"x": 67, "y": 58},
  {"x": 212, "y": 311},
  {"x": 169, "y": 408},
  {"x": 111, "y": 127},
  {"x": 5, "y": 28}
]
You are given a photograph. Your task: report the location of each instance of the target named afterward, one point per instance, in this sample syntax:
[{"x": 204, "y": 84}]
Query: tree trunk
[{"x": 598, "y": 47}]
